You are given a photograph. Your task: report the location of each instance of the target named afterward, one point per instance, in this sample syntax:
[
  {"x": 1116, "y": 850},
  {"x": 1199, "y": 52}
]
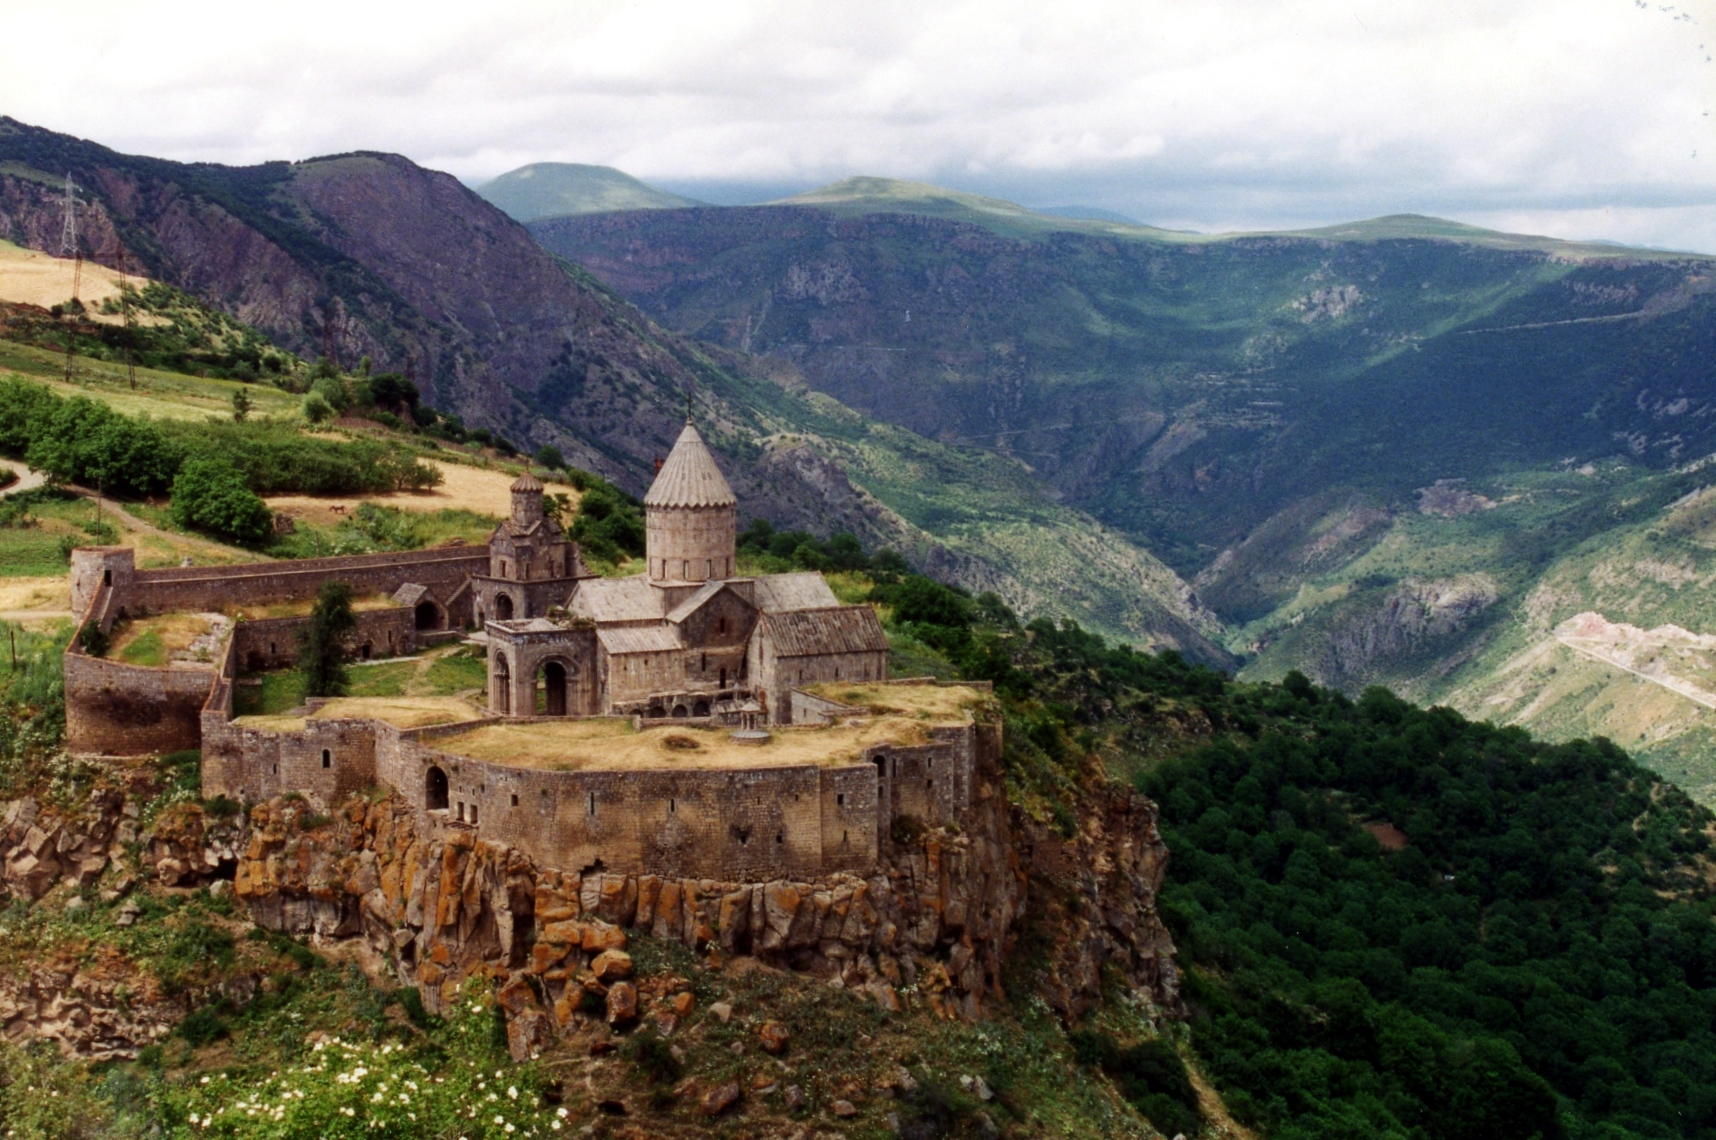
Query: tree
[
  {"x": 549, "y": 456},
  {"x": 209, "y": 493},
  {"x": 322, "y": 646},
  {"x": 240, "y": 405}
]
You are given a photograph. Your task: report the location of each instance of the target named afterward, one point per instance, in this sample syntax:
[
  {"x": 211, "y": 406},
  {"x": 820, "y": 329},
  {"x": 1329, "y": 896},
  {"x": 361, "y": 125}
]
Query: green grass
[
  {"x": 381, "y": 680},
  {"x": 281, "y": 689},
  {"x": 456, "y": 673},
  {"x": 146, "y": 650},
  {"x": 30, "y": 552}
]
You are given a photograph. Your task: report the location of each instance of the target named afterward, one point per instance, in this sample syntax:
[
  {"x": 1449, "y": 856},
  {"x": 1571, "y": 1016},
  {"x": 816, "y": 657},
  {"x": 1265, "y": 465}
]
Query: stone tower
[
  {"x": 690, "y": 517},
  {"x": 526, "y": 500}
]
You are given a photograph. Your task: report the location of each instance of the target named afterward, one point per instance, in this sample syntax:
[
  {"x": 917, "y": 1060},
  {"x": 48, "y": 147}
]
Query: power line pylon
[
  {"x": 125, "y": 311},
  {"x": 72, "y": 248}
]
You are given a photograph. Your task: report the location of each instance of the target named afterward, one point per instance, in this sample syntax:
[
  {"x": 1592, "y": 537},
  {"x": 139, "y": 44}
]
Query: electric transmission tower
[{"x": 70, "y": 247}]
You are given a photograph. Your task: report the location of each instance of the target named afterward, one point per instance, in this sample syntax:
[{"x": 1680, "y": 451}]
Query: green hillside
[
  {"x": 1375, "y": 449},
  {"x": 553, "y": 189}
]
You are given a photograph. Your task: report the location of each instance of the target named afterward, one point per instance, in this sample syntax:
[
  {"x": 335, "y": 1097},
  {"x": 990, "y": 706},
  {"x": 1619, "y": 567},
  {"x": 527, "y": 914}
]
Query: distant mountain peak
[{"x": 558, "y": 189}]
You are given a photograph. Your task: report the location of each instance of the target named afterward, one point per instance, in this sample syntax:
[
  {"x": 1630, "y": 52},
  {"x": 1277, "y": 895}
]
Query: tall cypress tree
[{"x": 322, "y": 653}]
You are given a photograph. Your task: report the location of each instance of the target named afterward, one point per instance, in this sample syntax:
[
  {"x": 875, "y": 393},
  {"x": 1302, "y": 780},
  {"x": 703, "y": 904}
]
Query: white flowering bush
[{"x": 359, "y": 1088}]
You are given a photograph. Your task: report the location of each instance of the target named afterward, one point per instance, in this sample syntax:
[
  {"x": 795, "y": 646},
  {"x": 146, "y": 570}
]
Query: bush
[
  {"x": 316, "y": 408},
  {"x": 90, "y": 444},
  {"x": 210, "y": 494},
  {"x": 549, "y": 456},
  {"x": 203, "y": 1026}
]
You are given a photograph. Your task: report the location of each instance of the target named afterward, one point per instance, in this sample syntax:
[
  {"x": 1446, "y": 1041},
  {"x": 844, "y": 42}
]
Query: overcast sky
[{"x": 1578, "y": 118}]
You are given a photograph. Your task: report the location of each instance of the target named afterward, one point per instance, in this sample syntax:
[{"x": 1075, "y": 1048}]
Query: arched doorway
[
  {"x": 552, "y": 701},
  {"x": 428, "y": 615},
  {"x": 435, "y": 789},
  {"x": 701, "y": 708},
  {"x": 502, "y": 687},
  {"x": 503, "y": 607}
]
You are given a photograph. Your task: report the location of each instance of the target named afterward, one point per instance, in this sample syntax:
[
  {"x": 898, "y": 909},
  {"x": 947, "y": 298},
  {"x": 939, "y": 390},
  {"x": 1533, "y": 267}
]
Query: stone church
[{"x": 687, "y": 638}]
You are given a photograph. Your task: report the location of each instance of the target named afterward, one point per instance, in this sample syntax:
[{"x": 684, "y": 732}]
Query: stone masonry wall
[
  {"x": 127, "y": 710},
  {"x": 933, "y": 922},
  {"x": 214, "y": 587}
]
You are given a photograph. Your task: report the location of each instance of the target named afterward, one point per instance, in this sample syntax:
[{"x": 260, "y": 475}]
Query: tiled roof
[
  {"x": 527, "y": 482},
  {"x": 807, "y": 590},
  {"x": 639, "y": 639},
  {"x": 690, "y": 478},
  {"x": 606, "y": 600},
  {"x": 695, "y": 602},
  {"x": 812, "y": 633}
]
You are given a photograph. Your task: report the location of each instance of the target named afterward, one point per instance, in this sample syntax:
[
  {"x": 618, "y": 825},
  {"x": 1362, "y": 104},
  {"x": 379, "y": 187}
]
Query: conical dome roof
[
  {"x": 690, "y": 478},
  {"x": 527, "y": 482}
]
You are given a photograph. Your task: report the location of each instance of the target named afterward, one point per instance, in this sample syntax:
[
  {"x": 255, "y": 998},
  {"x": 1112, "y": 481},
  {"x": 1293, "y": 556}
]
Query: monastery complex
[{"x": 684, "y": 721}]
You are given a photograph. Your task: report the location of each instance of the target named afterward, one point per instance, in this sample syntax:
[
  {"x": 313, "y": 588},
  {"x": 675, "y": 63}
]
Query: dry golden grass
[
  {"x": 944, "y": 703},
  {"x": 301, "y": 607},
  {"x": 176, "y": 631},
  {"x": 52, "y": 595},
  {"x": 31, "y": 278},
  {"x": 610, "y": 743},
  {"x": 401, "y": 712},
  {"x": 483, "y": 491}
]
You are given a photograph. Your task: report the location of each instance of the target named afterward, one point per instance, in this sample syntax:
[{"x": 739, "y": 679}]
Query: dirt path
[
  {"x": 132, "y": 522},
  {"x": 28, "y": 480},
  {"x": 1673, "y": 684}
]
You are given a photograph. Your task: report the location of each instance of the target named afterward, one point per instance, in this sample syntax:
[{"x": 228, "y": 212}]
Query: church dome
[
  {"x": 526, "y": 482},
  {"x": 690, "y": 478}
]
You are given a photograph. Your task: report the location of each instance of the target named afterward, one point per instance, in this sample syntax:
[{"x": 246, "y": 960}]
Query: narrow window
[
  {"x": 929, "y": 785},
  {"x": 473, "y": 814},
  {"x": 327, "y": 758},
  {"x": 672, "y": 807},
  {"x": 107, "y": 577},
  {"x": 592, "y": 803},
  {"x": 840, "y": 800},
  {"x": 270, "y": 649},
  {"x": 461, "y": 811},
  {"x": 515, "y": 799},
  {"x": 779, "y": 837},
  {"x": 276, "y": 769},
  {"x": 703, "y": 663},
  {"x": 843, "y": 838},
  {"x": 709, "y": 568}
]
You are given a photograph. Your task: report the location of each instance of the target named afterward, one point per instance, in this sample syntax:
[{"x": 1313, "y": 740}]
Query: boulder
[
  {"x": 611, "y": 966},
  {"x": 720, "y": 1098},
  {"x": 773, "y": 1037},
  {"x": 622, "y": 1003}
]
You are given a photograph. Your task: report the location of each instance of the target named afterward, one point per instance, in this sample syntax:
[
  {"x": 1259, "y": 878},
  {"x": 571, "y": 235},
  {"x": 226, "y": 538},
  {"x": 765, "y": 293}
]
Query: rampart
[
  {"x": 443, "y": 570},
  {"x": 743, "y": 823},
  {"x": 125, "y": 710}
]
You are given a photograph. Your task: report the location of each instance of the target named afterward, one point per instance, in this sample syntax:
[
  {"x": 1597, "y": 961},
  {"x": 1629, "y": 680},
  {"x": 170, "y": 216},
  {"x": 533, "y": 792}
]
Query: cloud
[{"x": 1199, "y": 113}]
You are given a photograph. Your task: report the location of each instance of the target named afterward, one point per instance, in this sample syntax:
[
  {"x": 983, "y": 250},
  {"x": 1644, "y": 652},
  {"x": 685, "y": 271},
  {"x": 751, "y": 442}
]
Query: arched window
[
  {"x": 503, "y": 607},
  {"x": 435, "y": 790},
  {"x": 502, "y": 702}
]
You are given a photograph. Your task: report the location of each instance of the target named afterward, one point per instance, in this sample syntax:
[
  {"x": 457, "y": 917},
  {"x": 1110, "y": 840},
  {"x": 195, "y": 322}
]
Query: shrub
[
  {"x": 316, "y": 408},
  {"x": 203, "y": 1026},
  {"x": 92, "y": 640},
  {"x": 549, "y": 456},
  {"x": 210, "y": 494}
]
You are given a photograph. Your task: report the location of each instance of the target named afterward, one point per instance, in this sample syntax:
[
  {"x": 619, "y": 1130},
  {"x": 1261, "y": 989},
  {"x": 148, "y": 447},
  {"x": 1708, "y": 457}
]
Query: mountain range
[
  {"x": 370, "y": 255},
  {"x": 1402, "y": 451}
]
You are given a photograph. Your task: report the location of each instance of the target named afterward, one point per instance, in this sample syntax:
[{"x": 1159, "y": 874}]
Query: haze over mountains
[{"x": 1402, "y": 450}]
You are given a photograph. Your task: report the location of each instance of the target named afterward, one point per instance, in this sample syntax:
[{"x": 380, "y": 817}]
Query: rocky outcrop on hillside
[
  {"x": 936, "y": 926},
  {"x": 1412, "y": 618}
]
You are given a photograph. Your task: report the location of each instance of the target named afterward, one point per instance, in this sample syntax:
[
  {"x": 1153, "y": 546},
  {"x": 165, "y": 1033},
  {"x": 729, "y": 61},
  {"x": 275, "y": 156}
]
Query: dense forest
[{"x": 1393, "y": 922}]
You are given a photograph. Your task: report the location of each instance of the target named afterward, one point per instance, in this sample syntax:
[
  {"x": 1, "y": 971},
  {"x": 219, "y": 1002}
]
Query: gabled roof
[
  {"x": 409, "y": 594},
  {"x": 696, "y": 601},
  {"x": 639, "y": 639},
  {"x": 690, "y": 478},
  {"x": 605, "y": 600},
  {"x": 806, "y": 590},
  {"x": 812, "y": 633}
]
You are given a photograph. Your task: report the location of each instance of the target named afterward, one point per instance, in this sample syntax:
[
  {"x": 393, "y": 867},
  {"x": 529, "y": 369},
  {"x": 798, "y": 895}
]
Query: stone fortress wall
[
  {"x": 121, "y": 709},
  {"x": 750, "y": 824}
]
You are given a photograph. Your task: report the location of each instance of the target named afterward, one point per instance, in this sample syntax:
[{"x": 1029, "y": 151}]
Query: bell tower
[{"x": 690, "y": 517}]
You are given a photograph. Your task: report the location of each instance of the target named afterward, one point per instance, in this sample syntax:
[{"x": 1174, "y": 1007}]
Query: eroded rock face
[{"x": 934, "y": 925}]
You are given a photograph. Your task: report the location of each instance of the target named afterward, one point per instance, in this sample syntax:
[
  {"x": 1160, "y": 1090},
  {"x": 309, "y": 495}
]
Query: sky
[{"x": 1574, "y": 118}]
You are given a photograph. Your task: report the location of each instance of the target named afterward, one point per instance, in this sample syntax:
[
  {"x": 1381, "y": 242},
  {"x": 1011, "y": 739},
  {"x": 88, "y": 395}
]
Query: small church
[{"x": 687, "y": 638}]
